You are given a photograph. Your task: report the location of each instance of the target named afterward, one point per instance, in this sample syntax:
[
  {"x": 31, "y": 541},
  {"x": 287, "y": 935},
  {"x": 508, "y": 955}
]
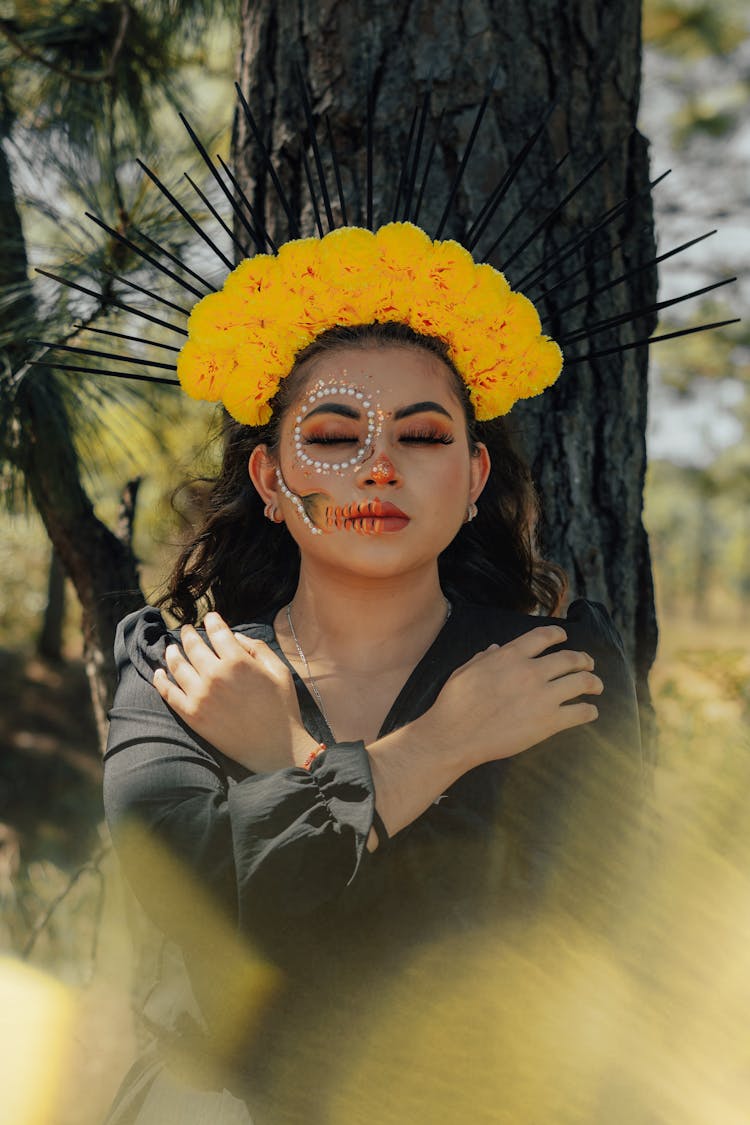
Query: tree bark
[
  {"x": 49, "y": 644},
  {"x": 40, "y": 445},
  {"x": 585, "y": 438}
]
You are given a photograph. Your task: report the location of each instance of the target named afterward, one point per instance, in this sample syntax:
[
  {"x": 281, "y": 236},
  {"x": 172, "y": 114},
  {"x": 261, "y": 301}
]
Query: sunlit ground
[{"x": 554, "y": 1022}]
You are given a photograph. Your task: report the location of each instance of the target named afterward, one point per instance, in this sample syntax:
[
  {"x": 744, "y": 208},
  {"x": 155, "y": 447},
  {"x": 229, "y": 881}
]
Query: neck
[{"x": 366, "y": 624}]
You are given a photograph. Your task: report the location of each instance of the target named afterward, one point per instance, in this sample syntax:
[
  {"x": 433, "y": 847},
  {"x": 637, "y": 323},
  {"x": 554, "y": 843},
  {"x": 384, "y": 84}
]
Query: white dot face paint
[
  {"x": 335, "y": 430},
  {"x": 336, "y": 427},
  {"x": 373, "y": 444}
]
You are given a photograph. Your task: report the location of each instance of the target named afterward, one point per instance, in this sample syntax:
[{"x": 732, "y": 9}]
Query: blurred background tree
[
  {"x": 84, "y": 86},
  {"x": 694, "y": 109}
]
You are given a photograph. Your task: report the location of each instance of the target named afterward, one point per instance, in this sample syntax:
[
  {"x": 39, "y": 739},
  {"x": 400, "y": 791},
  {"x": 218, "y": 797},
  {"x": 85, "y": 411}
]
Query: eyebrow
[
  {"x": 345, "y": 411},
  {"x": 421, "y": 408}
]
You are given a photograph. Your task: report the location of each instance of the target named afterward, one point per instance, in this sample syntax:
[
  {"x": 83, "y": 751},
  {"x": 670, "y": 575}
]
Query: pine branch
[{"x": 91, "y": 78}]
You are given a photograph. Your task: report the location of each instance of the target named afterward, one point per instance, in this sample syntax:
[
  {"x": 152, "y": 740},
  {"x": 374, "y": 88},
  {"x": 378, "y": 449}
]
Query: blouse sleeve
[
  {"x": 268, "y": 846},
  {"x": 590, "y": 627}
]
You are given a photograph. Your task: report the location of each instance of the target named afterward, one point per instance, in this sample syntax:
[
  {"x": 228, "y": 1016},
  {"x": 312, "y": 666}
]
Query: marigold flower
[{"x": 243, "y": 340}]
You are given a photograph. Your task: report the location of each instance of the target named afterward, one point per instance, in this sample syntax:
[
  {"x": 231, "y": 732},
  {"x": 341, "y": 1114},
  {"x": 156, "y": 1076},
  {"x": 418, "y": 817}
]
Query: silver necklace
[
  {"x": 310, "y": 678},
  {"x": 308, "y": 674}
]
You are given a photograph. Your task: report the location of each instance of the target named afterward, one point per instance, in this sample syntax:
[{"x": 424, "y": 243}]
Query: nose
[{"x": 380, "y": 472}]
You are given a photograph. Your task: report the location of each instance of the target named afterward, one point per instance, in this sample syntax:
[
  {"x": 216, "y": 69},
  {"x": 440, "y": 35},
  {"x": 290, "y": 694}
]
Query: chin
[{"x": 377, "y": 556}]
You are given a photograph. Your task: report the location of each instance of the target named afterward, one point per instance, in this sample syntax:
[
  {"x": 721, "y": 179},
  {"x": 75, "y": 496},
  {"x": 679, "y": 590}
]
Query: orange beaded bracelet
[{"x": 313, "y": 755}]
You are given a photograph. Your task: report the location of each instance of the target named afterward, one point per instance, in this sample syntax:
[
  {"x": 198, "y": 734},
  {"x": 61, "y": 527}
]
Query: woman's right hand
[{"x": 511, "y": 697}]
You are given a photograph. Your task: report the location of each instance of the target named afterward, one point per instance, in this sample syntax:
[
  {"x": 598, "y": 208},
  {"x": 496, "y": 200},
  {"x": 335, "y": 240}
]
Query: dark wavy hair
[{"x": 242, "y": 565}]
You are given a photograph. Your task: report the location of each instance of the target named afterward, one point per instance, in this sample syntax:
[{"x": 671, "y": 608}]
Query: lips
[{"x": 367, "y": 517}]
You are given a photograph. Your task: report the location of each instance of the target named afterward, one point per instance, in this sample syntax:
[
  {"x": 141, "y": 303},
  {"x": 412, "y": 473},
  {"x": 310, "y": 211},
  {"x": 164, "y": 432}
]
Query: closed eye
[
  {"x": 426, "y": 437},
  {"x": 329, "y": 439}
]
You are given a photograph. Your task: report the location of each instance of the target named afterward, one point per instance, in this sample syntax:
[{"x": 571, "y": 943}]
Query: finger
[
  {"x": 201, "y": 656},
  {"x": 575, "y": 684},
  {"x": 249, "y": 644},
  {"x": 223, "y": 640},
  {"x": 172, "y": 695},
  {"x": 556, "y": 664},
  {"x": 264, "y": 656},
  {"x": 576, "y": 714},
  {"x": 537, "y": 640},
  {"x": 181, "y": 669}
]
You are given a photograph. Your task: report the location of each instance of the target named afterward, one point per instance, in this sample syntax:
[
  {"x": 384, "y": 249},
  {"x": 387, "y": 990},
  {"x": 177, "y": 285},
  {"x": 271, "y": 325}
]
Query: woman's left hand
[{"x": 237, "y": 694}]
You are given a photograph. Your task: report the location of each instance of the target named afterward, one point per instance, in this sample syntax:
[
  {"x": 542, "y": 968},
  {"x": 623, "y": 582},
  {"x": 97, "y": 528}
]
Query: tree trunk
[
  {"x": 585, "y": 438},
  {"x": 49, "y": 644},
  {"x": 102, "y": 567}
]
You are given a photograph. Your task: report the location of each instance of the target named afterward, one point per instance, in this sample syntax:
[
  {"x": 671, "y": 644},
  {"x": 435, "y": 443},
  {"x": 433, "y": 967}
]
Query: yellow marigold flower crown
[{"x": 242, "y": 341}]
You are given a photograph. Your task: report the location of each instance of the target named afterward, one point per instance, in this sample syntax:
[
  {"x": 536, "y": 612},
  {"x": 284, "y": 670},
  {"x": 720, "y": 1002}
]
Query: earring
[
  {"x": 471, "y": 512},
  {"x": 271, "y": 512}
]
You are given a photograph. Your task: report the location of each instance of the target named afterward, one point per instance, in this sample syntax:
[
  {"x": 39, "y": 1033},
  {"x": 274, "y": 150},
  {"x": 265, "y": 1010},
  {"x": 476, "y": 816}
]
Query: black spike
[
  {"x": 404, "y": 166},
  {"x": 259, "y": 235},
  {"x": 214, "y": 172},
  {"x": 633, "y": 314},
  {"x": 370, "y": 142},
  {"x": 555, "y": 211},
  {"x": 186, "y": 216},
  {"x": 571, "y": 247},
  {"x": 649, "y": 340},
  {"x": 538, "y": 271},
  {"x": 294, "y": 231},
  {"x": 107, "y": 374},
  {"x": 523, "y": 208},
  {"x": 478, "y": 227},
  {"x": 311, "y": 188},
  {"x": 637, "y": 269},
  {"x": 465, "y": 158},
  {"x": 152, "y": 296},
  {"x": 224, "y": 226},
  {"x": 127, "y": 336},
  {"x": 173, "y": 258},
  {"x": 142, "y": 253},
  {"x": 428, "y": 165},
  {"x": 316, "y": 151},
  {"x": 409, "y": 193},
  {"x": 336, "y": 172},
  {"x": 607, "y": 252},
  {"x": 111, "y": 301},
  {"x": 105, "y": 355}
]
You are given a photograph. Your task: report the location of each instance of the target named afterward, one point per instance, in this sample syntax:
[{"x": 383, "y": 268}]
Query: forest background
[{"x": 59, "y": 911}]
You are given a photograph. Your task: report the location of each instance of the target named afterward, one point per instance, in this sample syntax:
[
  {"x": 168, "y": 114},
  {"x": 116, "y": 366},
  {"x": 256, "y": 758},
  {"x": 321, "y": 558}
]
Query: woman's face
[{"x": 373, "y": 470}]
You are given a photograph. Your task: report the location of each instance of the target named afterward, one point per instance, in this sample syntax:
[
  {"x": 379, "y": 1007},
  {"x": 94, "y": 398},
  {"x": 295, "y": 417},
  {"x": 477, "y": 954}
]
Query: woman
[{"x": 342, "y": 753}]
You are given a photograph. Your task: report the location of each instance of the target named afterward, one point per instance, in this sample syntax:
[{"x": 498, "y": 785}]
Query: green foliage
[
  {"x": 691, "y": 29},
  {"x": 83, "y": 89},
  {"x": 698, "y": 521}
]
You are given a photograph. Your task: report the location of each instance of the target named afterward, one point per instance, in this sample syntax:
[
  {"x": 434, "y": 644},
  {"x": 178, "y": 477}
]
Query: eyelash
[
  {"x": 428, "y": 437},
  {"x": 417, "y": 437}
]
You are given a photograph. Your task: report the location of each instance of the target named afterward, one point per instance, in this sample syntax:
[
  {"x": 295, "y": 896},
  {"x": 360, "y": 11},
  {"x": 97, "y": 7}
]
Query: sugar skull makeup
[
  {"x": 323, "y": 438},
  {"x": 323, "y": 428},
  {"x": 335, "y": 437}
]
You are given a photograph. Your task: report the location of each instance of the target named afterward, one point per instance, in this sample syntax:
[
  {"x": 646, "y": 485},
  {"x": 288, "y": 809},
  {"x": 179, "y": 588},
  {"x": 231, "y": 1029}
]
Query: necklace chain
[
  {"x": 306, "y": 665},
  {"x": 310, "y": 678}
]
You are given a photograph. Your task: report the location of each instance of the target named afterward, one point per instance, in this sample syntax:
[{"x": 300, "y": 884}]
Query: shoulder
[
  {"x": 588, "y": 625},
  {"x": 142, "y": 637},
  {"x": 585, "y": 620}
]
